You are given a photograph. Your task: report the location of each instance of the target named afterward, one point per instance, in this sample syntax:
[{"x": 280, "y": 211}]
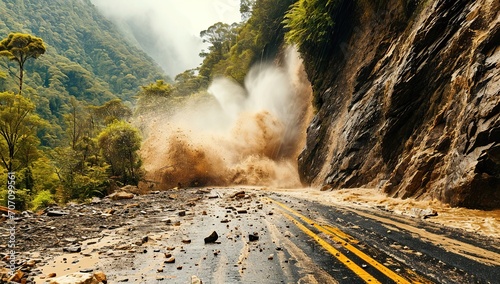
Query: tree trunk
[{"x": 21, "y": 73}]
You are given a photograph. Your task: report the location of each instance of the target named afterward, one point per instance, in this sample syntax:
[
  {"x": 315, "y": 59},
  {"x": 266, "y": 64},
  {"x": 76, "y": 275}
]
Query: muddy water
[
  {"x": 486, "y": 223},
  {"x": 252, "y": 135}
]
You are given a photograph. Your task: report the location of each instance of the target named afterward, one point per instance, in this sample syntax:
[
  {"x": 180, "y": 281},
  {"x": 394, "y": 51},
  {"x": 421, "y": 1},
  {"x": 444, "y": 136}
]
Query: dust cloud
[{"x": 248, "y": 135}]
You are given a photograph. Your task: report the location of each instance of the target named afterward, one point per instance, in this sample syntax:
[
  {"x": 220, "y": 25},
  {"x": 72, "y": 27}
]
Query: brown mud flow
[{"x": 252, "y": 136}]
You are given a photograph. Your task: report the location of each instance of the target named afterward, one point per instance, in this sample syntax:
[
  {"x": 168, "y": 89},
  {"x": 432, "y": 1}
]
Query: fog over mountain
[{"x": 169, "y": 30}]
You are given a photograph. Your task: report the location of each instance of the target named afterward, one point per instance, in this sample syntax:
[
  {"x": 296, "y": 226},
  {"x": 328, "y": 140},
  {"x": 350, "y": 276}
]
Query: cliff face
[{"x": 409, "y": 101}]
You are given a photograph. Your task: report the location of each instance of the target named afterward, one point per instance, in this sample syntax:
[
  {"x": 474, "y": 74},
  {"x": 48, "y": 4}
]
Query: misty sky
[{"x": 169, "y": 30}]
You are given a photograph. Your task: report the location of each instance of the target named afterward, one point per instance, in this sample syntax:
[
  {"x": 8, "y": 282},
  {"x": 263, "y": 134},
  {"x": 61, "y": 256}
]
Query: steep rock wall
[{"x": 408, "y": 100}]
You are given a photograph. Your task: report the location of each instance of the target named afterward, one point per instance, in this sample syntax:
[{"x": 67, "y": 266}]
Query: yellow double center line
[{"x": 340, "y": 237}]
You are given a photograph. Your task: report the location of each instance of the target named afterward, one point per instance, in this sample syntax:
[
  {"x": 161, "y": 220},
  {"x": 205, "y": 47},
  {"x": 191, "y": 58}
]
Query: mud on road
[
  {"x": 244, "y": 235},
  {"x": 153, "y": 238}
]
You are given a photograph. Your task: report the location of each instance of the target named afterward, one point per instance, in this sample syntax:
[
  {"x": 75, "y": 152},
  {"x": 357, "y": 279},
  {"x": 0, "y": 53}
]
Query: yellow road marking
[
  {"x": 339, "y": 236},
  {"x": 333, "y": 251}
]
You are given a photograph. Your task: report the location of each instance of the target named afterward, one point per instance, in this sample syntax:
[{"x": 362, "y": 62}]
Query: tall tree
[
  {"x": 19, "y": 47},
  {"x": 18, "y": 124},
  {"x": 120, "y": 143},
  {"x": 246, "y": 7}
]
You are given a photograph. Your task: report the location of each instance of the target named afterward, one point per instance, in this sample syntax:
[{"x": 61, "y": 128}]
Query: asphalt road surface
[{"x": 266, "y": 237}]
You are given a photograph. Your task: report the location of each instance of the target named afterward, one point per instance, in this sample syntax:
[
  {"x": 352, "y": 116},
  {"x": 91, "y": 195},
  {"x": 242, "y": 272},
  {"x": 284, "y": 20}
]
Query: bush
[
  {"x": 22, "y": 199},
  {"x": 309, "y": 22},
  {"x": 42, "y": 200}
]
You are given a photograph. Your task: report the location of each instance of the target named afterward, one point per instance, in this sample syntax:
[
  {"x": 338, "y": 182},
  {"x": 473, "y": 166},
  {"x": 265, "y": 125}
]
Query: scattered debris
[
  {"x": 238, "y": 195},
  {"x": 121, "y": 195},
  {"x": 55, "y": 213},
  {"x": 81, "y": 278},
  {"x": 170, "y": 260},
  {"x": 196, "y": 280},
  {"x": 73, "y": 249},
  {"x": 212, "y": 238},
  {"x": 253, "y": 237}
]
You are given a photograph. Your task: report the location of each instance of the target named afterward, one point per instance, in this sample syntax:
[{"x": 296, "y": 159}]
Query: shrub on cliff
[{"x": 309, "y": 22}]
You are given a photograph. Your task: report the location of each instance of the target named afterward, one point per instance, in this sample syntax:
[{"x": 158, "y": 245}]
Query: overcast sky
[{"x": 169, "y": 30}]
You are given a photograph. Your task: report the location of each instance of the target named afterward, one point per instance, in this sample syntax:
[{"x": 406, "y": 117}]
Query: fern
[{"x": 309, "y": 22}]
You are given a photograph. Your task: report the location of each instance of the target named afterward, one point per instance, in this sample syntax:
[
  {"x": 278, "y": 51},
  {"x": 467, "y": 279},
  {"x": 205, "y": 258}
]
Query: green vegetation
[
  {"x": 86, "y": 58},
  {"x": 309, "y": 23},
  {"x": 72, "y": 138},
  {"x": 19, "y": 48},
  {"x": 256, "y": 40},
  {"x": 119, "y": 143},
  {"x": 54, "y": 109},
  {"x": 18, "y": 125}
]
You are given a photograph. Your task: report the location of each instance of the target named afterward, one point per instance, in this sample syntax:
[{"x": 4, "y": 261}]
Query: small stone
[
  {"x": 16, "y": 277},
  {"x": 186, "y": 241},
  {"x": 110, "y": 211},
  {"x": 253, "y": 237},
  {"x": 74, "y": 249},
  {"x": 270, "y": 257},
  {"x": 182, "y": 213},
  {"x": 51, "y": 275},
  {"x": 212, "y": 238},
  {"x": 195, "y": 280},
  {"x": 100, "y": 276},
  {"x": 31, "y": 263},
  {"x": 179, "y": 267},
  {"x": 170, "y": 260},
  {"x": 56, "y": 213},
  {"x": 239, "y": 194},
  {"x": 168, "y": 255},
  {"x": 121, "y": 195},
  {"x": 70, "y": 240},
  {"x": 145, "y": 239}
]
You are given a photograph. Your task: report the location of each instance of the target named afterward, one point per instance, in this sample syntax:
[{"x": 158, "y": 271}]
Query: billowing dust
[{"x": 247, "y": 135}]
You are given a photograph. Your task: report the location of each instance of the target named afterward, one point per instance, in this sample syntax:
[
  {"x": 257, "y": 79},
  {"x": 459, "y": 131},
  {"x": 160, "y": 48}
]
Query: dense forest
[
  {"x": 76, "y": 96},
  {"x": 81, "y": 93}
]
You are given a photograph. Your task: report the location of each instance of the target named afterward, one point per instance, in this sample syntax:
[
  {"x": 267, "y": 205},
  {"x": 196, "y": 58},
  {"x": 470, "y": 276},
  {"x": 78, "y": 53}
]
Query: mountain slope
[
  {"x": 409, "y": 101},
  {"x": 86, "y": 56}
]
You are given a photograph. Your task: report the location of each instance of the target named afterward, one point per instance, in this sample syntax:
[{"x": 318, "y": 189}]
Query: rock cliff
[{"x": 408, "y": 100}]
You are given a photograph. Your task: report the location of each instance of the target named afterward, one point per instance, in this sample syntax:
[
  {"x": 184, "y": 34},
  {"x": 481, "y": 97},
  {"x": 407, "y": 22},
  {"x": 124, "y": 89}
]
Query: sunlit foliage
[
  {"x": 119, "y": 144},
  {"x": 19, "y": 47},
  {"x": 309, "y": 22}
]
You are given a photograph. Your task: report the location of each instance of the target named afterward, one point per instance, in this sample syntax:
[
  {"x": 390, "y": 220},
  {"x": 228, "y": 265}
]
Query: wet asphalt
[{"x": 258, "y": 243}]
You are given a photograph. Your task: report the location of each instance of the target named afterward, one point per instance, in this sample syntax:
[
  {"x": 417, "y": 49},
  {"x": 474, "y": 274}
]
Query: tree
[
  {"x": 19, "y": 47},
  {"x": 111, "y": 111},
  {"x": 158, "y": 89},
  {"x": 18, "y": 127},
  {"x": 154, "y": 97},
  {"x": 119, "y": 144},
  {"x": 246, "y": 7}
]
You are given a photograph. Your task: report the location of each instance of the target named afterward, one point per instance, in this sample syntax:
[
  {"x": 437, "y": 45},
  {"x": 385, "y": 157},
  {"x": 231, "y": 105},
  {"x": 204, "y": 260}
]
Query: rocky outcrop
[{"x": 410, "y": 102}]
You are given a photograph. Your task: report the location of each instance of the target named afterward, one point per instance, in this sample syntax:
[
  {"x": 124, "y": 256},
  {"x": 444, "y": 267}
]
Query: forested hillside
[
  {"x": 86, "y": 56},
  {"x": 64, "y": 137}
]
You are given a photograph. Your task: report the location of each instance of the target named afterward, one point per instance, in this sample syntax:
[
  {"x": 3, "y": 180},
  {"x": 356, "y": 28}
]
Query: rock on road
[{"x": 247, "y": 235}]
